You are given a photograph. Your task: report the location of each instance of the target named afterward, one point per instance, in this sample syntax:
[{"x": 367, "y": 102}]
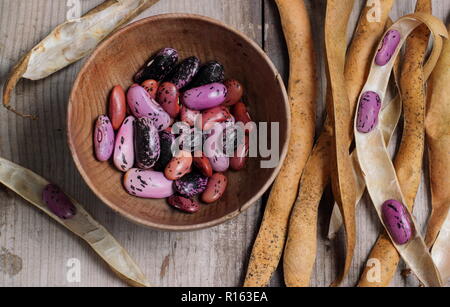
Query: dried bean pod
[
  {"x": 301, "y": 245},
  {"x": 375, "y": 162},
  {"x": 71, "y": 41},
  {"x": 270, "y": 242},
  {"x": 30, "y": 186}
]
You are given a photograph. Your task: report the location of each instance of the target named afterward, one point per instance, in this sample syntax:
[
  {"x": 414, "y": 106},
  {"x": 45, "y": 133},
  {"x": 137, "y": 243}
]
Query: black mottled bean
[
  {"x": 147, "y": 145},
  {"x": 159, "y": 66}
]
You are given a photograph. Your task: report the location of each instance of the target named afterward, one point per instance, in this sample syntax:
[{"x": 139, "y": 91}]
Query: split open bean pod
[
  {"x": 375, "y": 162},
  {"x": 70, "y": 214}
]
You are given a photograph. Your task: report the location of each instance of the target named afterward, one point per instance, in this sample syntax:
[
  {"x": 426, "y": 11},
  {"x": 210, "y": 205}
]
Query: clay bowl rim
[{"x": 160, "y": 226}]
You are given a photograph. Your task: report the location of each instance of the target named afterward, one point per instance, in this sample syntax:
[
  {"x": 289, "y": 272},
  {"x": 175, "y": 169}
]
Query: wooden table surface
[{"x": 34, "y": 250}]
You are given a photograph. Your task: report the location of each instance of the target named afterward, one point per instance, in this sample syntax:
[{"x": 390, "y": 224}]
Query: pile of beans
[{"x": 166, "y": 94}]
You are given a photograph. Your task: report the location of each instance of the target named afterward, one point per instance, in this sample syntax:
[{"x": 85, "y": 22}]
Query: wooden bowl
[{"x": 116, "y": 61}]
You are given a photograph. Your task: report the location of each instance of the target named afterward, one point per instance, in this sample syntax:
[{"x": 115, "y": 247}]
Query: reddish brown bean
[
  {"x": 238, "y": 161},
  {"x": 184, "y": 204},
  {"x": 217, "y": 185},
  {"x": 169, "y": 99},
  {"x": 179, "y": 166},
  {"x": 117, "y": 107},
  {"x": 188, "y": 116},
  {"x": 215, "y": 115},
  {"x": 240, "y": 113},
  {"x": 235, "y": 92},
  {"x": 151, "y": 86},
  {"x": 203, "y": 164}
]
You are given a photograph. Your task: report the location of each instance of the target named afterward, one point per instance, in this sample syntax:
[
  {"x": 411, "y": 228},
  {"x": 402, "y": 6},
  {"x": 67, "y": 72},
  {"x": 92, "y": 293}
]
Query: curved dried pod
[
  {"x": 301, "y": 245},
  {"x": 389, "y": 119},
  {"x": 270, "y": 241},
  {"x": 438, "y": 137},
  {"x": 438, "y": 141},
  {"x": 342, "y": 175},
  {"x": 71, "y": 41},
  {"x": 408, "y": 161},
  {"x": 441, "y": 249},
  {"x": 30, "y": 186},
  {"x": 374, "y": 160}
]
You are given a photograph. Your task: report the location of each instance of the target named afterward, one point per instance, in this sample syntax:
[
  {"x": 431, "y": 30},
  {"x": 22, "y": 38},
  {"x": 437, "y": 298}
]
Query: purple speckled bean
[
  {"x": 388, "y": 47},
  {"x": 191, "y": 184},
  {"x": 397, "y": 221},
  {"x": 142, "y": 105},
  {"x": 58, "y": 202},
  {"x": 205, "y": 97},
  {"x": 146, "y": 140},
  {"x": 368, "y": 111},
  {"x": 184, "y": 204},
  {"x": 124, "y": 148},
  {"x": 147, "y": 184},
  {"x": 185, "y": 72},
  {"x": 214, "y": 149},
  {"x": 103, "y": 138}
]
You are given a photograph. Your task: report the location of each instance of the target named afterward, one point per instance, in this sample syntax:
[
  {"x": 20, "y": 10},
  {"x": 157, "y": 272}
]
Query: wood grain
[{"x": 212, "y": 257}]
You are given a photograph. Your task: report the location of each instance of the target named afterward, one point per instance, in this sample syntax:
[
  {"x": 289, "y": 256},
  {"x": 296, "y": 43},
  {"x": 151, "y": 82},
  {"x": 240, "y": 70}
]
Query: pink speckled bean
[
  {"x": 368, "y": 111},
  {"x": 388, "y": 47},
  {"x": 147, "y": 184},
  {"x": 142, "y": 105},
  {"x": 124, "y": 148},
  {"x": 397, "y": 221},
  {"x": 103, "y": 138},
  {"x": 189, "y": 116},
  {"x": 205, "y": 97},
  {"x": 213, "y": 149},
  {"x": 58, "y": 202}
]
